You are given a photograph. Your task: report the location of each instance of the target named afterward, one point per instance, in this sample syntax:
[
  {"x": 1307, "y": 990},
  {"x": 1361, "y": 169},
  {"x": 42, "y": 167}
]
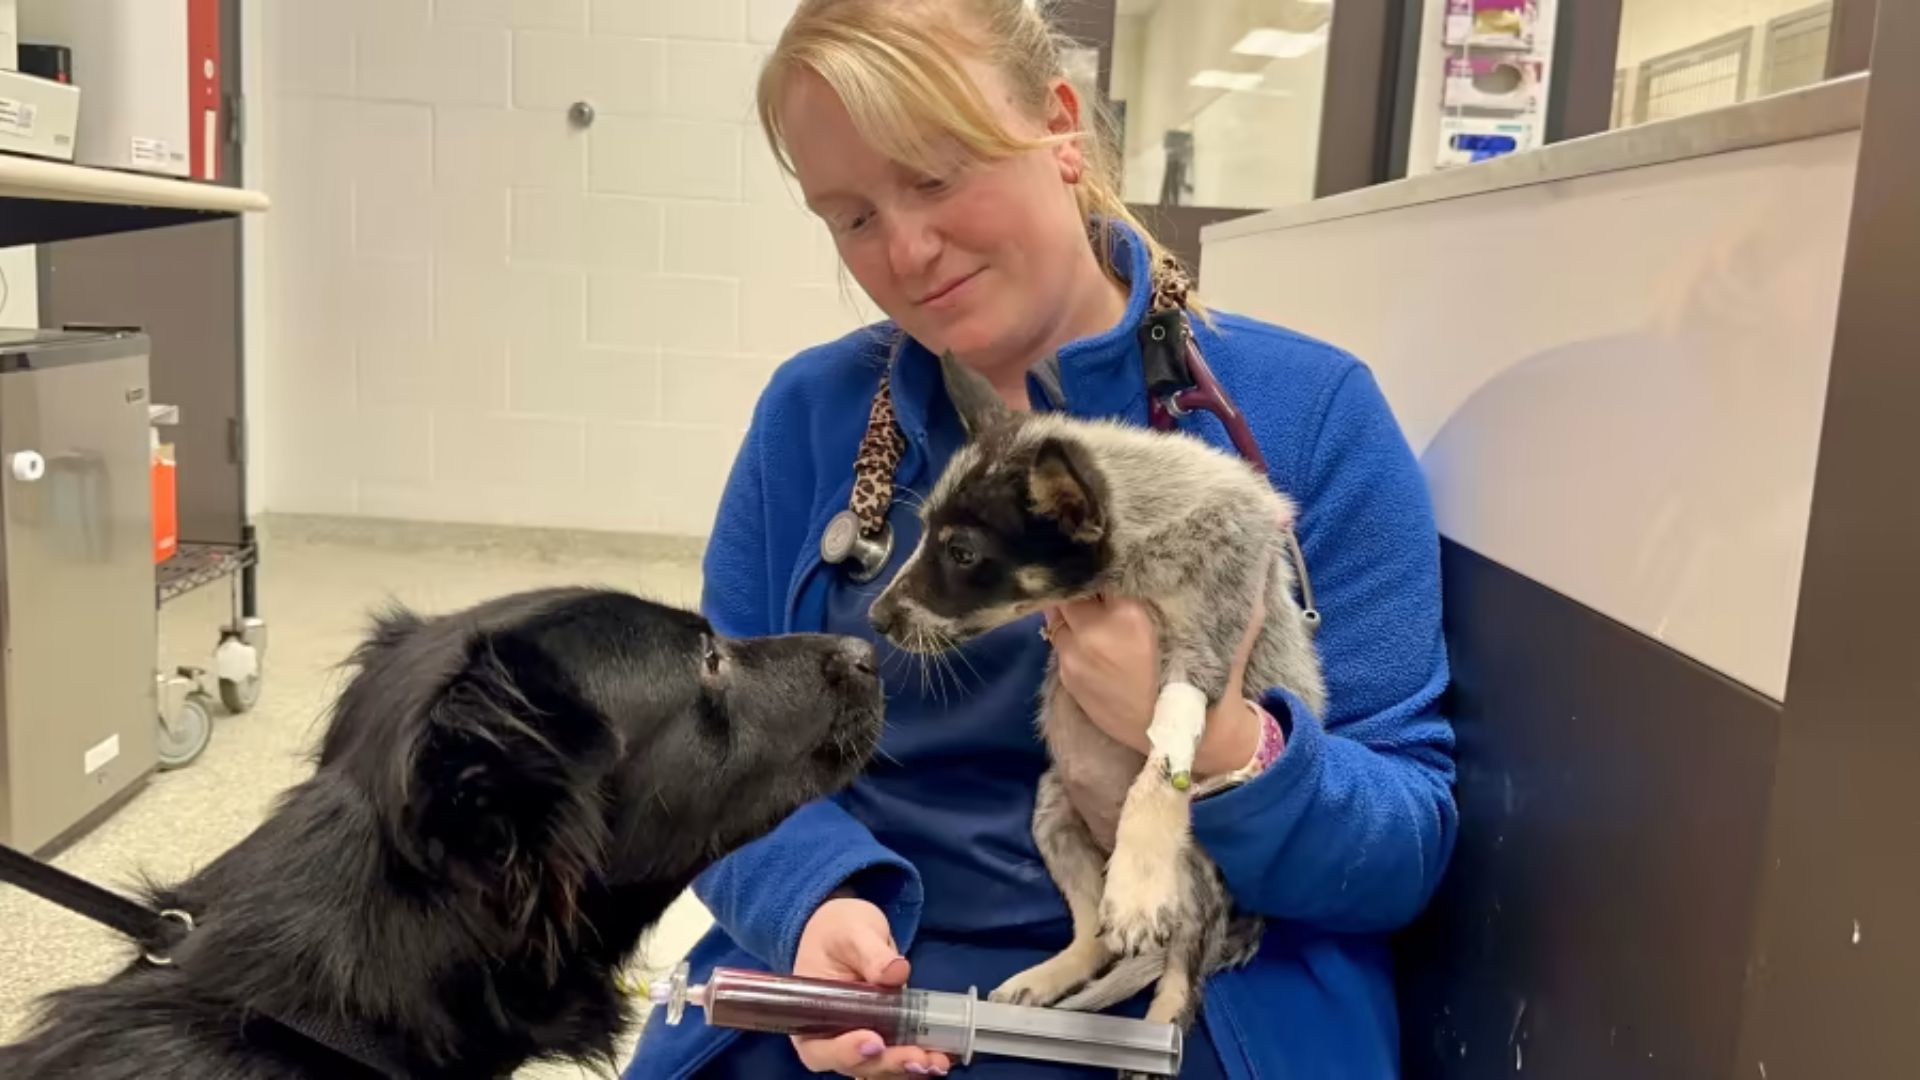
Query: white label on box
[
  {"x": 98, "y": 757},
  {"x": 149, "y": 151},
  {"x": 16, "y": 116}
]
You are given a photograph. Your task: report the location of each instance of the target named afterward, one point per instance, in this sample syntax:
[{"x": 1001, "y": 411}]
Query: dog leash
[{"x": 158, "y": 933}]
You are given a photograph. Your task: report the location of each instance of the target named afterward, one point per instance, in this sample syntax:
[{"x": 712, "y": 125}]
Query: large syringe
[{"x": 960, "y": 1025}]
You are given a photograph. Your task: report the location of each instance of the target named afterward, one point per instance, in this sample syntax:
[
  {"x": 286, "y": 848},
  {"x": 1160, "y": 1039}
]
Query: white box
[
  {"x": 37, "y": 116},
  {"x": 9, "y": 35},
  {"x": 1505, "y": 81},
  {"x": 1468, "y": 139},
  {"x": 1497, "y": 24},
  {"x": 130, "y": 59}
]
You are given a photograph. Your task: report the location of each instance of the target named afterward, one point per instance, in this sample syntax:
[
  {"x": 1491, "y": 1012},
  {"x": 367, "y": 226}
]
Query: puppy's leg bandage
[{"x": 1179, "y": 718}]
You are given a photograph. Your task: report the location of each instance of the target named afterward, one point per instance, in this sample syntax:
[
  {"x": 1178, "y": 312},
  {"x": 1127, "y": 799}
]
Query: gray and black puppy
[{"x": 1038, "y": 509}]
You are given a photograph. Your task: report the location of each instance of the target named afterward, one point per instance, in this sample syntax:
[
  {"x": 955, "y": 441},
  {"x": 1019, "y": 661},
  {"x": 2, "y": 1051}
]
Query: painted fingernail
[
  {"x": 872, "y": 1048},
  {"x": 916, "y": 1068}
]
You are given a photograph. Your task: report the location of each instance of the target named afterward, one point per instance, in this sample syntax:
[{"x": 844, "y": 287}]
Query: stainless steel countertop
[{"x": 1823, "y": 109}]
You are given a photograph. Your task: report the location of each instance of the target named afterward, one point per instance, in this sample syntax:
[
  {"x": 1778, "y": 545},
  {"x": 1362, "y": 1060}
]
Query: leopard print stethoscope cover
[{"x": 879, "y": 459}]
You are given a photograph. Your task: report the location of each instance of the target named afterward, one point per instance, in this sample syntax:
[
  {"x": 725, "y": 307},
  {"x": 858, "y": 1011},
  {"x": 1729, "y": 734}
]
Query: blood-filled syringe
[{"x": 960, "y": 1025}]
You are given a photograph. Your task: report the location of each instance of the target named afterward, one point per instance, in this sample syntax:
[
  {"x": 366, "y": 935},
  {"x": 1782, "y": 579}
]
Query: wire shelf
[{"x": 196, "y": 565}]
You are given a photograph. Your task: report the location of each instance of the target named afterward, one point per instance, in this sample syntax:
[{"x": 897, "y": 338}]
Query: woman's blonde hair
[{"x": 898, "y": 66}]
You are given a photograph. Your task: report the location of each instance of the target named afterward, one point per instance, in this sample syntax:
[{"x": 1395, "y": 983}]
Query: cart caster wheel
[
  {"x": 185, "y": 735},
  {"x": 240, "y": 695},
  {"x": 237, "y": 664}
]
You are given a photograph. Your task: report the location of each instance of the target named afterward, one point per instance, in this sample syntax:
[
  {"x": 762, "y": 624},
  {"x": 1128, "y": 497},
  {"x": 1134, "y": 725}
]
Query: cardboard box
[
  {"x": 203, "y": 89},
  {"x": 38, "y": 117},
  {"x": 130, "y": 59}
]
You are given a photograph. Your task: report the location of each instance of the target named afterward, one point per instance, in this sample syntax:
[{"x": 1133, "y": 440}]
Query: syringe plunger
[{"x": 960, "y": 1025}]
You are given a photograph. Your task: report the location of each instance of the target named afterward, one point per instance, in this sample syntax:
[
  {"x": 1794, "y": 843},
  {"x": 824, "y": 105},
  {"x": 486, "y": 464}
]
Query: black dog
[{"x": 505, "y": 800}]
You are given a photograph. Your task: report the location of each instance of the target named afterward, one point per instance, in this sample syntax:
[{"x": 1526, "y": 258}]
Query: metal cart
[{"x": 185, "y": 695}]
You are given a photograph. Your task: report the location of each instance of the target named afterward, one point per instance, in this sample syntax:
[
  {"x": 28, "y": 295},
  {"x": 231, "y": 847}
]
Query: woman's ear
[{"x": 1063, "y": 118}]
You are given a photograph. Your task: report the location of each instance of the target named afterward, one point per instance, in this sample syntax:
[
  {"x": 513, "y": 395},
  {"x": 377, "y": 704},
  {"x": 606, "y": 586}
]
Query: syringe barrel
[{"x": 795, "y": 1005}]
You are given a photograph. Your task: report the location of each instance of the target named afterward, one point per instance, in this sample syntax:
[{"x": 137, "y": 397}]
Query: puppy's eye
[
  {"x": 710, "y": 655},
  {"x": 960, "y": 554}
]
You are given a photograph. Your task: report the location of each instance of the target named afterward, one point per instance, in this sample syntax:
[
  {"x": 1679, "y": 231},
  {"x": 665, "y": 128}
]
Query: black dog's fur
[{"x": 505, "y": 799}]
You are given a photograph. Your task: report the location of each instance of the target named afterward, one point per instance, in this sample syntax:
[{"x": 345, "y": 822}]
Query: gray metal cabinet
[{"x": 76, "y": 580}]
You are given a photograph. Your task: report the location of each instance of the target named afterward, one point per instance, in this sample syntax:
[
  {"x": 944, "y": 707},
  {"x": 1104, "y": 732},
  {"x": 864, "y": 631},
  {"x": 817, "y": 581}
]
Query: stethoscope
[{"x": 1179, "y": 382}]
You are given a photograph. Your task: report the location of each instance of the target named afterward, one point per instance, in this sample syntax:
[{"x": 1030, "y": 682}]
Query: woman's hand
[
  {"x": 847, "y": 938},
  {"x": 1109, "y": 661}
]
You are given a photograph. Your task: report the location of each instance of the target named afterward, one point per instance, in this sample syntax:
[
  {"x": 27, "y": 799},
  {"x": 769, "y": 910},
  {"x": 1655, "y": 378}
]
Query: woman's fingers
[
  {"x": 862, "y": 1054},
  {"x": 907, "y": 1061},
  {"x": 1075, "y": 611},
  {"x": 850, "y": 1054}
]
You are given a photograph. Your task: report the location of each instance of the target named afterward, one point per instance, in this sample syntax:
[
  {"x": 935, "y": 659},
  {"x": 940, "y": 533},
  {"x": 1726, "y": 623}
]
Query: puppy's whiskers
[
  {"x": 944, "y": 656},
  {"x": 887, "y": 659},
  {"x": 956, "y": 650},
  {"x": 936, "y": 665}
]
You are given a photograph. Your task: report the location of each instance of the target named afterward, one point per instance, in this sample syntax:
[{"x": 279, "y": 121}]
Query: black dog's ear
[
  {"x": 1064, "y": 485},
  {"x": 391, "y": 626},
  {"x": 504, "y": 779},
  {"x": 973, "y": 397}
]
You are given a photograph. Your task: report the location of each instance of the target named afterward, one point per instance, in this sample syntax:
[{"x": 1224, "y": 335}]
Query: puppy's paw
[
  {"x": 1033, "y": 986},
  {"x": 1140, "y": 909},
  {"x": 1047, "y": 982}
]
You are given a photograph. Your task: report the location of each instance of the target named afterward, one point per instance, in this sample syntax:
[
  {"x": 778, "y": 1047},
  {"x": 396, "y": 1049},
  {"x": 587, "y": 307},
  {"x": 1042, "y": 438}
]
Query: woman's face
[{"x": 977, "y": 261}]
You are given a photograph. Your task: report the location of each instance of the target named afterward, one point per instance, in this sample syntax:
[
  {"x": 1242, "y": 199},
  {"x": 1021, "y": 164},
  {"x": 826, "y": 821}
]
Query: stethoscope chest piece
[{"x": 843, "y": 543}]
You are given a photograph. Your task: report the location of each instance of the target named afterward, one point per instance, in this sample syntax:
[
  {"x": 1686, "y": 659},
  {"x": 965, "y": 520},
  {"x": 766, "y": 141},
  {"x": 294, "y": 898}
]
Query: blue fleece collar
[{"x": 1100, "y": 375}]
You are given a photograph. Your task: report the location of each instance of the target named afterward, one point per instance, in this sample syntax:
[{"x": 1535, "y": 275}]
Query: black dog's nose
[
  {"x": 856, "y": 656},
  {"x": 864, "y": 660}
]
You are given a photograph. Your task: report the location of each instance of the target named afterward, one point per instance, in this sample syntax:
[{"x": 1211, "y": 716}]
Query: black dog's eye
[
  {"x": 960, "y": 554},
  {"x": 710, "y": 655}
]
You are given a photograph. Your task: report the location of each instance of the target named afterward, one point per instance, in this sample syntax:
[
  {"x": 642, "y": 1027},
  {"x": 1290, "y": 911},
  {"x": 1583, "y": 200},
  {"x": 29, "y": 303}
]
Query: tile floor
[{"x": 318, "y": 580}]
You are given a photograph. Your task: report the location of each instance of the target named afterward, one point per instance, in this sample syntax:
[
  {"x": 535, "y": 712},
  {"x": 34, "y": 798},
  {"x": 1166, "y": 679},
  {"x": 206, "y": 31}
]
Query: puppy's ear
[
  {"x": 1064, "y": 485},
  {"x": 973, "y": 397},
  {"x": 504, "y": 780}
]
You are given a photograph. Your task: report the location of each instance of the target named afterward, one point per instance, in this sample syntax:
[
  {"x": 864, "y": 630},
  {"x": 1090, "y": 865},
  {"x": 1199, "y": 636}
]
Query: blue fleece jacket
[{"x": 1339, "y": 843}]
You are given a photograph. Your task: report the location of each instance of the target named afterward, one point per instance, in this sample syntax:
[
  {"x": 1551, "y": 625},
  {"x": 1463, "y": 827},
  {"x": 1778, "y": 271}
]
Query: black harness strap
[{"x": 158, "y": 933}]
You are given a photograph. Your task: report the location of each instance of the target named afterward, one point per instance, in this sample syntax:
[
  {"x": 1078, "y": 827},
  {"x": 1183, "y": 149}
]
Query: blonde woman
[{"x": 954, "y": 164}]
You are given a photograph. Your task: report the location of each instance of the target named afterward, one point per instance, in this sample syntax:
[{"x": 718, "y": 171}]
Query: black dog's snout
[{"x": 853, "y": 658}]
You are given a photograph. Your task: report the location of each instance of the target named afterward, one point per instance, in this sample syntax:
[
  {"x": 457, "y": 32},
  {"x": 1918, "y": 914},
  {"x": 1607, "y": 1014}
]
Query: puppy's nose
[{"x": 884, "y": 618}]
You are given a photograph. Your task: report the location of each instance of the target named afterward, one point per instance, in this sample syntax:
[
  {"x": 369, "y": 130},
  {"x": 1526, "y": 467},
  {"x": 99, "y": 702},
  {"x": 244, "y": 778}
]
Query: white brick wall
[{"x": 477, "y": 312}]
